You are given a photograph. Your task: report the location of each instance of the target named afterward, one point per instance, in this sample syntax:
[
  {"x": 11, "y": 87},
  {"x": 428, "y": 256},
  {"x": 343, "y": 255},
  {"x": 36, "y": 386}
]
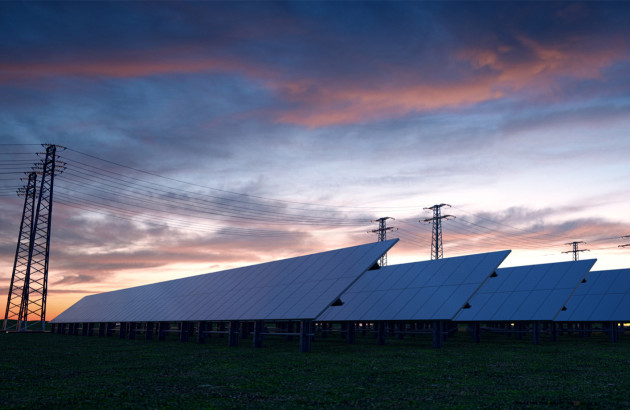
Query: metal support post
[
  {"x": 132, "y": 330},
  {"x": 122, "y": 331},
  {"x": 613, "y": 328},
  {"x": 324, "y": 326},
  {"x": 351, "y": 332},
  {"x": 438, "y": 336},
  {"x": 380, "y": 333},
  {"x": 306, "y": 327},
  {"x": 289, "y": 330},
  {"x": 476, "y": 328},
  {"x": 536, "y": 332},
  {"x": 183, "y": 331},
  {"x": 259, "y": 328},
  {"x": 163, "y": 330},
  {"x": 233, "y": 333},
  {"x": 201, "y": 332},
  {"x": 148, "y": 331}
]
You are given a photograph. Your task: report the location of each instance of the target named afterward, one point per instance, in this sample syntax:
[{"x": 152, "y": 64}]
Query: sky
[{"x": 202, "y": 136}]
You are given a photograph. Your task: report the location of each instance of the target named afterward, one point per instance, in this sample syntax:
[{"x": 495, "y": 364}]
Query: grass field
[{"x": 59, "y": 371}]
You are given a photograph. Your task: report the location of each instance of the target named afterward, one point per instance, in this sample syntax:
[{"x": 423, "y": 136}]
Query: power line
[{"x": 222, "y": 190}]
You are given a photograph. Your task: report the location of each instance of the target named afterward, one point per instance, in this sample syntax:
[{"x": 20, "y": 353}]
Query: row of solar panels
[{"x": 343, "y": 285}]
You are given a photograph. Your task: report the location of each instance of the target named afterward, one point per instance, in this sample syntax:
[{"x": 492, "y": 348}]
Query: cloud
[
  {"x": 123, "y": 66},
  {"x": 525, "y": 229},
  {"x": 315, "y": 80},
  {"x": 74, "y": 279}
]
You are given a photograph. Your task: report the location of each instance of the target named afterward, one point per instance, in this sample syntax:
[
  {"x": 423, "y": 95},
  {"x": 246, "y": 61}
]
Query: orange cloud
[
  {"x": 485, "y": 74},
  {"x": 493, "y": 75},
  {"x": 545, "y": 63},
  {"x": 335, "y": 105},
  {"x": 183, "y": 60}
]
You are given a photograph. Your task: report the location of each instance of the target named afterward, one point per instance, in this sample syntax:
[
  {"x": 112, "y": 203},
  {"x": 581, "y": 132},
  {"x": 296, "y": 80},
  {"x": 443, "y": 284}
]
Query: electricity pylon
[
  {"x": 436, "y": 237},
  {"x": 31, "y": 264},
  {"x": 381, "y": 233},
  {"x": 19, "y": 278},
  {"x": 575, "y": 251}
]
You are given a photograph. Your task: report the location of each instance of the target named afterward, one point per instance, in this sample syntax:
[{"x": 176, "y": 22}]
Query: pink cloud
[
  {"x": 493, "y": 75},
  {"x": 183, "y": 60},
  {"x": 332, "y": 105},
  {"x": 485, "y": 74}
]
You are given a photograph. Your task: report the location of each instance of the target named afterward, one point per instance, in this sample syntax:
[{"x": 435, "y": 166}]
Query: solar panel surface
[
  {"x": 295, "y": 288},
  {"x": 526, "y": 293},
  {"x": 429, "y": 290},
  {"x": 604, "y": 297}
]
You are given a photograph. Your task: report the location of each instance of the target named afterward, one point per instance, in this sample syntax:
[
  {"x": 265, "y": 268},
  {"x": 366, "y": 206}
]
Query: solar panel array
[
  {"x": 604, "y": 297},
  {"x": 526, "y": 293},
  {"x": 429, "y": 290},
  {"x": 296, "y": 288}
]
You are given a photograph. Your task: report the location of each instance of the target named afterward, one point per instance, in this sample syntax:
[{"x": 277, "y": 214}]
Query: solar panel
[
  {"x": 295, "y": 288},
  {"x": 526, "y": 293},
  {"x": 429, "y": 290},
  {"x": 604, "y": 297}
]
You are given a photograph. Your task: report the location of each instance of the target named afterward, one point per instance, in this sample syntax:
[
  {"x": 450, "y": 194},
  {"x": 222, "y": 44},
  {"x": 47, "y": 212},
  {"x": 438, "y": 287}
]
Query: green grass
[{"x": 60, "y": 371}]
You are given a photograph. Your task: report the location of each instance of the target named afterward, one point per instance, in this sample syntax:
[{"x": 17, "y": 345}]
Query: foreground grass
[{"x": 58, "y": 371}]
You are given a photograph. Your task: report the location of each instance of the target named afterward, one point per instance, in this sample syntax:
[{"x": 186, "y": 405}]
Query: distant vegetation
[{"x": 57, "y": 371}]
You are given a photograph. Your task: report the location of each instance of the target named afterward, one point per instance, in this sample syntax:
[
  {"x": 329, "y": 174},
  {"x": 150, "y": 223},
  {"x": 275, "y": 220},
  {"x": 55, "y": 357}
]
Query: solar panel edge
[
  {"x": 147, "y": 292},
  {"x": 501, "y": 256},
  {"x": 588, "y": 265},
  {"x": 386, "y": 245}
]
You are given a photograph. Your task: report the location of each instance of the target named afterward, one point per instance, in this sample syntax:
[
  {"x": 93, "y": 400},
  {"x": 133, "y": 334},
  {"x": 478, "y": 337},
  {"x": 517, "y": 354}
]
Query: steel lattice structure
[
  {"x": 31, "y": 271},
  {"x": 381, "y": 232},
  {"x": 576, "y": 251},
  {"x": 19, "y": 279},
  {"x": 436, "y": 237}
]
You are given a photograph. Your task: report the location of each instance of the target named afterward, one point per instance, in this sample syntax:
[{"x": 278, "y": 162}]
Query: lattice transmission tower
[
  {"x": 436, "y": 237},
  {"x": 29, "y": 281},
  {"x": 576, "y": 251},
  {"x": 381, "y": 233}
]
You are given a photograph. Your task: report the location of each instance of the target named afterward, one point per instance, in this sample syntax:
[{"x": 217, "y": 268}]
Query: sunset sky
[{"x": 207, "y": 135}]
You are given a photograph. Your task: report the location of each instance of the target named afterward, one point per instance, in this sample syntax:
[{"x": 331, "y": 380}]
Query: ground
[{"x": 60, "y": 371}]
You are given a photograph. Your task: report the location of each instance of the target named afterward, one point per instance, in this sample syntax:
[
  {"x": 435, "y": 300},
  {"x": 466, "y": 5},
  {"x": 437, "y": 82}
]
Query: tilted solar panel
[
  {"x": 604, "y": 297},
  {"x": 429, "y": 290},
  {"x": 526, "y": 293},
  {"x": 295, "y": 288}
]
